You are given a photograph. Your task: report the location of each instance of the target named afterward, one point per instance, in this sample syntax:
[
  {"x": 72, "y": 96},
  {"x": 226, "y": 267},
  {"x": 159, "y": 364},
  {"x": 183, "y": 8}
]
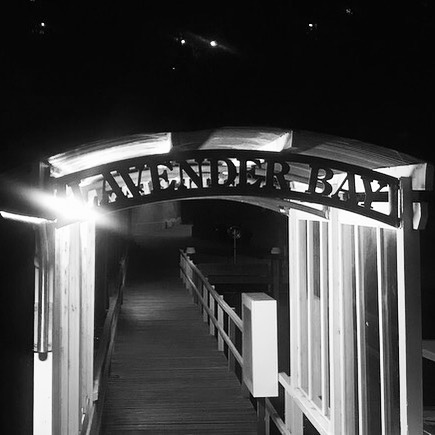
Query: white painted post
[
  {"x": 361, "y": 339},
  {"x": 61, "y": 331},
  {"x": 409, "y": 314},
  {"x": 335, "y": 302},
  {"x": 324, "y": 292},
  {"x": 87, "y": 269},
  {"x": 293, "y": 414},
  {"x": 74, "y": 416},
  {"x": 347, "y": 288}
]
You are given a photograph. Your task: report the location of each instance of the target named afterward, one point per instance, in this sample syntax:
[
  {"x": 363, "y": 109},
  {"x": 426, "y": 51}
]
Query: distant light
[
  {"x": 311, "y": 25},
  {"x": 173, "y": 68},
  {"x": 183, "y": 41},
  {"x": 213, "y": 43},
  {"x": 42, "y": 24},
  {"x": 349, "y": 11}
]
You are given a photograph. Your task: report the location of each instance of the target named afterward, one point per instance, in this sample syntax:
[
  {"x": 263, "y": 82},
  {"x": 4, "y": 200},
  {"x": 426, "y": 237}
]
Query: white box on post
[{"x": 260, "y": 344}]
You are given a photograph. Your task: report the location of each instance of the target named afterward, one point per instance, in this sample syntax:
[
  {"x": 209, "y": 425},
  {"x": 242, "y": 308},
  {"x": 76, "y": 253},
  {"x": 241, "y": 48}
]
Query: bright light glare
[
  {"x": 42, "y": 24},
  {"x": 213, "y": 43},
  {"x": 67, "y": 208},
  {"x": 22, "y": 218},
  {"x": 183, "y": 41},
  {"x": 310, "y": 25},
  {"x": 70, "y": 208}
]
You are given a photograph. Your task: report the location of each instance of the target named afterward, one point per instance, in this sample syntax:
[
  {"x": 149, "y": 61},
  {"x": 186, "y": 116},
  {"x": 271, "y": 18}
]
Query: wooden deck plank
[{"x": 167, "y": 375}]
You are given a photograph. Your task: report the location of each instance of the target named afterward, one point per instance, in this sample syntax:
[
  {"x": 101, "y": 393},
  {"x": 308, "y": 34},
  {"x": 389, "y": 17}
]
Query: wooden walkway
[{"x": 167, "y": 375}]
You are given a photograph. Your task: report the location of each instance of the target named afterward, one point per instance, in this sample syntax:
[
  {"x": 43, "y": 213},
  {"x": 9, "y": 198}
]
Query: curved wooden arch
[{"x": 286, "y": 177}]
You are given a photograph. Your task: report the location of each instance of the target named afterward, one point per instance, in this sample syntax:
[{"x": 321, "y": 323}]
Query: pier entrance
[{"x": 353, "y": 213}]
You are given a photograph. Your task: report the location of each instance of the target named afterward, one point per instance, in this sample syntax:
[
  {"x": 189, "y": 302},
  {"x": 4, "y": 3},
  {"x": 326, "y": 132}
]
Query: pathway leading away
[{"x": 167, "y": 375}]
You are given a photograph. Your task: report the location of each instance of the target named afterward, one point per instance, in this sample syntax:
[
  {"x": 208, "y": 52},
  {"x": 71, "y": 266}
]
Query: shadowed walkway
[{"x": 167, "y": 374}]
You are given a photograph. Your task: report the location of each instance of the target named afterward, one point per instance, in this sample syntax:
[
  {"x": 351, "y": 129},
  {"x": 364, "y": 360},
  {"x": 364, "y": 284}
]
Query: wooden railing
[
  {"x": 92, "y": 422},
  {"x": 214, "y": 310}
]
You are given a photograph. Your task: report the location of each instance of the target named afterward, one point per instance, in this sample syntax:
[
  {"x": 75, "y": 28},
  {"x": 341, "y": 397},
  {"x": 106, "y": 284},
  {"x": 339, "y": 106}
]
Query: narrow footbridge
[
  {"x": 170, "y": 360},
  {"x": 167, "y": 373}
]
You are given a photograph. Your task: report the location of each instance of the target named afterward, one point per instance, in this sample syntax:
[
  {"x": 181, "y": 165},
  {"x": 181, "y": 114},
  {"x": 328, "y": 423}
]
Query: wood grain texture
[{"x": 167, "y": 374}]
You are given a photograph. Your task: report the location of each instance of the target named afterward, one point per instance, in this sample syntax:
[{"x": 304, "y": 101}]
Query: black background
[{"x": 101, "y": 69}]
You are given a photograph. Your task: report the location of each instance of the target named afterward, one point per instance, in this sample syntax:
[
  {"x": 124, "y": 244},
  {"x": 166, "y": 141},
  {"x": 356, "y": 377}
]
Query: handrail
[
  {"x": 270, "y": 412},
  {"x": 93, "y": 414},
  {"x": 234, "y": 317},
  {"x": 228, "y": 310},
  {"x": 107, "y": 338}
]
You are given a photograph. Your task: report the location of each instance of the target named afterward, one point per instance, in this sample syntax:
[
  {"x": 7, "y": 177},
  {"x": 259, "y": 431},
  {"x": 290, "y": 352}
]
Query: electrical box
[{"x": 260, "y": 344}]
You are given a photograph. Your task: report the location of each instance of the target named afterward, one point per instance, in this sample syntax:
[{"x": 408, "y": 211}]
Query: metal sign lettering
[{"x": 220, "y": 173}]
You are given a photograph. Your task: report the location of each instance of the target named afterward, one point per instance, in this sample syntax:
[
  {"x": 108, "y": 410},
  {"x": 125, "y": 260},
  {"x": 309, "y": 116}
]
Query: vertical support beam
[
  {"x": 347, "y": 289},
  {"x": 261, "y": 416},
  {"x": 73, "y": 326},
  {"x": 382, "y": 345},
  {"x": 361, "y": 338},
  {"x": 324, "y": 347},
  {"x": 409, "y": 314},
  {"x": 294, "y": 416},
  {"x": 87, "y": 267},
  {"x": 74, "y": 331},
  {"x": 61, "y": 331},
  {"x": 335, "y": 315},
  {"x": 310, "y": 307}
]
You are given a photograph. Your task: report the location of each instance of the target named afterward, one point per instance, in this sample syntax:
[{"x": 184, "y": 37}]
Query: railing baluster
[
  {"x": 232, "y": 335},
  {"x": 220, "y": 316},
  {"x": 211, "y": 305}
]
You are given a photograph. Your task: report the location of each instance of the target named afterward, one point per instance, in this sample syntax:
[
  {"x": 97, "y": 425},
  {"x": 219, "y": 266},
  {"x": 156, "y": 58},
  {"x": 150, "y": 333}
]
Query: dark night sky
[{"x": 100, "y": 69}]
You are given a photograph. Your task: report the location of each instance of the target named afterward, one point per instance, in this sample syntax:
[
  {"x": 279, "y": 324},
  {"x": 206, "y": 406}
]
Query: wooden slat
[
  {"x": 87, "y": 264},
  {"x": 74, "y": 332},
  {"x": 167, "y": 373},
  {"x": 60, "y": 332},
  {"x": 294, "y": 416}
]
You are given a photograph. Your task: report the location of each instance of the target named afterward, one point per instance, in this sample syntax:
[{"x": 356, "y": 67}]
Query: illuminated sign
[{"x": 217, "y": 173}]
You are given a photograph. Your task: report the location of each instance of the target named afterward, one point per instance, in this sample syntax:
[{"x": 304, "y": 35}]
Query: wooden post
[
  {"x": 409, "y": 315},
  {"x": 261, "y": 416},
  {"x": 60, "y": 331},
  {"x": 87, "y": 272},
  {"x": 220, "y": 314},
  {"x": 335, "y": 324},
  {"x": 73, "y": 326},
  {"x": 205, "y": 296},
  {"x": 232, "y": 336},
  {"x": 294, "y": 416},
  {"x": 211, "y": 305}
]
